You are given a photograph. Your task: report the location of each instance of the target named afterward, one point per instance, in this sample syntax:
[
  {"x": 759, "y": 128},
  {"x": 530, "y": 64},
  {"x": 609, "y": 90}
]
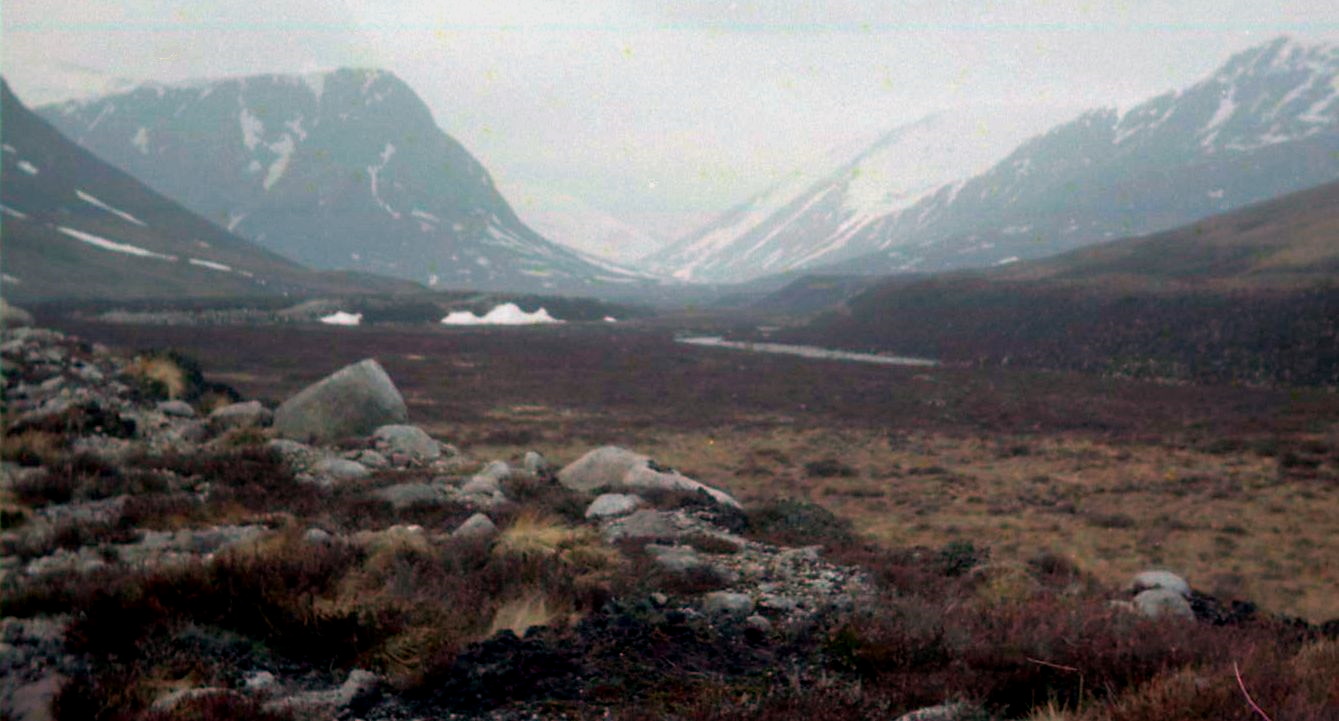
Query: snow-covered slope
[
  {"x": 816, "y": 214},
  {"x": 345, "y": 169},
  {"x": 1265, "y": 124}
]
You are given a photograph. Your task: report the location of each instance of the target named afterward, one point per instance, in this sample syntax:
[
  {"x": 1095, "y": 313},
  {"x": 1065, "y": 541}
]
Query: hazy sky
[{"x": 663, "y": 112}]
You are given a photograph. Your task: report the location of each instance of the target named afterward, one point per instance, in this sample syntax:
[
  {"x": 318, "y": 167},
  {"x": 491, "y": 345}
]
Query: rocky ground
[{"x": 173, "y": 551}]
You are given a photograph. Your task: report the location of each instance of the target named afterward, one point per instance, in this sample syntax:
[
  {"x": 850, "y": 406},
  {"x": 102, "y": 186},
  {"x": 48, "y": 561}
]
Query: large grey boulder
[
  {"x": 1148, "y": 580},
  {"x": 408, "y": 440},
  {"x": 353, "y": 401},
  {"x": 1161, "y": 602},
  {"x": 614, "y": 468}
]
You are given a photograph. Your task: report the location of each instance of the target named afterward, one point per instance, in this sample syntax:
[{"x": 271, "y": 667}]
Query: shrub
[
  {"x": 791, "y": 522},
  {"x": 829, "y": 468}
]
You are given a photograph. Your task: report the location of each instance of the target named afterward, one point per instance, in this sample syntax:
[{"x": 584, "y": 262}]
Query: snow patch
[
  {"x": 1216, "y": 194},
  {"x": 1008, "y": 261},
  {"x": 6, "y": 277},
  {"x": 14, "y": 213},
  {"x": 103, "y": 206},
  {"x": 339, "y": 317},
  {"x": 112, "y": 245},
  {"x": 315, "y": 83},
  {"x": 374, "y": 174},
  {"x": 235, "y": 219},
  {"x": 28, "y": 167},
  {"x": 505, "y": 314},
  {"x": 283, "y": 149},
  {"x": 211, "y": 265},
  {"x": 252, "y": 128},
  {"x": 141, "y": 140}
]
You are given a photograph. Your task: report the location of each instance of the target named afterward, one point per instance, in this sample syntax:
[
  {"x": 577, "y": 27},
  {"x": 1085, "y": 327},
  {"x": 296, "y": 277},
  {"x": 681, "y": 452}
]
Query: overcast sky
[{"x": 663, "y": 112}]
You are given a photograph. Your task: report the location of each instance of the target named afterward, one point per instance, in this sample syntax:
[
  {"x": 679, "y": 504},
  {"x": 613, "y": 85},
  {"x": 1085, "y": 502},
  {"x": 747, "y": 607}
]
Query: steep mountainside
[
  {"x": 1265, "y": 124},
  {"x": 76, "y": 227},
  {"x": 345, "y": 169}
]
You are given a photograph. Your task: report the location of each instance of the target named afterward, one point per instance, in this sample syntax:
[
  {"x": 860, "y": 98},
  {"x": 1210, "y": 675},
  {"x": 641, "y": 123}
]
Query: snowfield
[{"x": 505, "y": 314}]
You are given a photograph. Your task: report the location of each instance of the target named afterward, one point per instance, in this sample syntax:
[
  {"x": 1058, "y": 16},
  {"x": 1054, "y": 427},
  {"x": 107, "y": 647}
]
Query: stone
[
  {"x": 614, "y": 468},
  {"x": 250, "y": 414},
  {"x": 318, "y": 536},
  {"x": 353, "y": 401},
  {"x": 260, "y": 681},
  {"x": 409, "y": 440},
  {"x": 359, "y": 686},
  {"x": 496, "y": 470},
  {"x": 1160, "y": 602},
  {"x": 946, "y": 712},
  {"x": 727, "y": 603},
  {"x": 341, "y": 469},
  {"x": 1147, "y": 580},
  {"x": 12, "y": 316},
  {"x": 647, "y": 524},
  {"x": 758, "y": 624},
  {"x": 535, "y": 463},
  {"x": 373, "y": 460},
  {"x": 612, "y": 505},
  {"x": 176, "y": 409},
  {"x": 476, "y": 526},
  {"x": 405, "y": 495},
  {"x": 481, "y": 485},
  {"x": 675, "y": 559}
]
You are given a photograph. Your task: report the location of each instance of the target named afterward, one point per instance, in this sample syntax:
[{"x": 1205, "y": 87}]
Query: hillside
[
  {"x": 1250, "y": 296},
  {"x": 76, "y": 227},
  {"x": 1264, "y": 125},
  {"x": 338, "y": 170}
]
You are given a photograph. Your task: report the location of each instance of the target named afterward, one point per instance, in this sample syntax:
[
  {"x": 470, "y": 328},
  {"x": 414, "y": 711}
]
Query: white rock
[
  {"x": 476, "y": 526},
  {"x": 613, "y": 505},
  {"x": 1160, "y": 579}
]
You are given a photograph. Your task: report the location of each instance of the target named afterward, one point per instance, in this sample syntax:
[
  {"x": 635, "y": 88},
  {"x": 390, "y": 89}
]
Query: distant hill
[
  {"x": 75, "y": 227},
  {"x": 1247, "y": 296},
  {"x": 338, "y": 170},
  {"x": 1265, "y": 124}
]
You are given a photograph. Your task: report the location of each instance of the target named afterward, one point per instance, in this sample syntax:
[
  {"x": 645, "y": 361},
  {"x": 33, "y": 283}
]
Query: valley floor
[{"x": 1234, "y": 488}]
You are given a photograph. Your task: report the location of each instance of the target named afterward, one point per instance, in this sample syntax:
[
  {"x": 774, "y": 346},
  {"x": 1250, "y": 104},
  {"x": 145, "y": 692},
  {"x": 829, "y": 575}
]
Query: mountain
[
  {"x": 1265, "y": 124},
  {"x": 815, "y": 214},
  {"x": 576, "y": 224},
  {"x": 345, "y": 169},
  {"x": 76, "y": 227},
  {"x": 1246, "y": 296}
]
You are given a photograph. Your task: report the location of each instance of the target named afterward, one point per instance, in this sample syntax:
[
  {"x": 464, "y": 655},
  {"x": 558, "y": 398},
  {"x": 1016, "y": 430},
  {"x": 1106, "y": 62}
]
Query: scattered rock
[
  {"x": 675, "y": 559},
  {"x": 758, "y": 624},
  {"x": 947, "y": 712},
  {"x": 499, "y": 471},
  {"x": 408, "y": 440},
  {"x": 612, "y": 505},
  {"x": 481, "y": 485},
  {"x": 318, "y": 536},
  {"x": 250, "y": 414},
  {"x": 476, "y": 526},
  {"x": 353, "y": 401},
  {"x": 260, "y": 681},
  {"x": 645, "y": 524}
]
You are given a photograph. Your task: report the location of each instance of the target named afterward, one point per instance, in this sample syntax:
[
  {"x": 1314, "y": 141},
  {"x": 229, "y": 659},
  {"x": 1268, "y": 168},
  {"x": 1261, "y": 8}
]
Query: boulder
[
  {"x": 408, "y": 440},
  {"x": 404, "y": 495},
  {"x": 1160, "y": 602},
  {"x": 645, "y": 524},
  {"x": 176, "y": 409},
  {"x": 497, "y": 470},
  {"x": 535, "y": 463},
  {"x": 353, "y": 401},
  {"x": 481, "y": 485},
  {"x": 1159, "y": 579},
  {"x": 612, "y": 505},
  {"x": 340, "y": 469},
  {"x": 675, "y": 559},
  {"x": 946, "y": 712},
  {"x": 613, "y": 468},
  {"x": 250, "y": 414},
  {"x": 476, "y": 526},
  {"x": 727, "y": 603}
]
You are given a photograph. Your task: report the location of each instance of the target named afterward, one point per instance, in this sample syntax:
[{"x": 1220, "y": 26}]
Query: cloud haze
[{"x": 662, "y": 113}]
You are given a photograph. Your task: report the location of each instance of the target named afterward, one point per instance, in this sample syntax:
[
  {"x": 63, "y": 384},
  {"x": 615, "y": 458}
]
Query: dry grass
[
  {"x": 518, "y": 615},
  {"x": 160, "y": 370}
]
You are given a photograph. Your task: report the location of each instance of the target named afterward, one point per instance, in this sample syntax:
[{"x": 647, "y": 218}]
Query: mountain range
[
  {"x": 337, "y": 170},
  {"x": 76, "y": 227},
  {"x": 1265, "y": 124}
]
